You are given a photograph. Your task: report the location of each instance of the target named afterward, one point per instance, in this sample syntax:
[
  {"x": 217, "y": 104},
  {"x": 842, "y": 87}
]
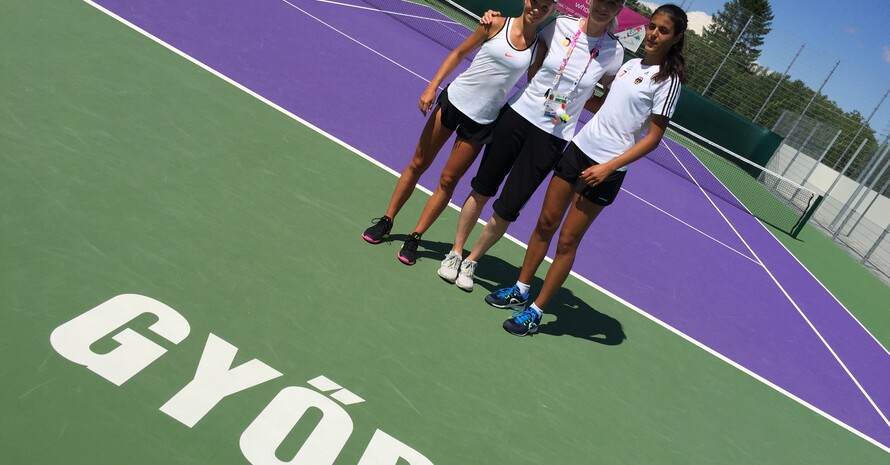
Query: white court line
[
  {"x": 838, "y": 301},
  {"x": 785, "y": 293},
  {"x": 371, "y": 160},
  {"x": 394, "y": 13},
  {"x": 352, "y": 39},
  {"x": 688, "y": 225}
]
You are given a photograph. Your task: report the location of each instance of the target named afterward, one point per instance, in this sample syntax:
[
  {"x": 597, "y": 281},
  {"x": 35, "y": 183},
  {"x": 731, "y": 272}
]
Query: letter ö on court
[
  {"x": 72, "y": 340},
  {"x": 268, "y": 430}
]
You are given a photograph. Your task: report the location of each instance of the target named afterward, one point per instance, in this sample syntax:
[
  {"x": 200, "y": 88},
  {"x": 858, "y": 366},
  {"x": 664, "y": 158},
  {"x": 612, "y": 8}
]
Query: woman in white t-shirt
[
  {"x": 469, "y": 106},
  {"x": 587, "y": 178},
  {"x": 534, "y": 127}
]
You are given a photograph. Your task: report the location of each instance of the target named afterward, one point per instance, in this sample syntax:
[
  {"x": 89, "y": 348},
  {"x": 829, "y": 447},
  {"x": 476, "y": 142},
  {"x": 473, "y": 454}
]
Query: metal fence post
[
  {"x": 850, "y": 162},
  {"x": 869, "y": 189},
  {"x": 784, "y": 75},
  {"x": 805, "y": 142},
  {"x": 705, "y": 92},
  {"x": 852, "y": 197},
  {"x": 821, "y": 157},
  {"x": 875, "y": 245}
]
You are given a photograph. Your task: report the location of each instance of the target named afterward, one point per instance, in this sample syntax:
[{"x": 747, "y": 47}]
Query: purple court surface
[{"x": 686, "y": 258}]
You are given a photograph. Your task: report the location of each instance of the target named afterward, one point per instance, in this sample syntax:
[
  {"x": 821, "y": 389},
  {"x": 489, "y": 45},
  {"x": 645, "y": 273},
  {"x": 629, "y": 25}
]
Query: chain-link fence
[
  {"x": 855, "y": 211},
  {"x": 827, "y": 149}
]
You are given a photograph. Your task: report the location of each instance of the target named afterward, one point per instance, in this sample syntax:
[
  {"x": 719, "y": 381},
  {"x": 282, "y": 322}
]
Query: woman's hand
[
  {"x": 427, "y": 99},
  {"x": 596, "y": 174},
  {"x": 487, "y": 18}
]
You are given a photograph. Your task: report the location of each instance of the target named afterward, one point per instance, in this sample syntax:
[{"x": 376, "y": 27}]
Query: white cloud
[
  {"x": 885, "y": 53},
  {"x": 698, "y": 20}
]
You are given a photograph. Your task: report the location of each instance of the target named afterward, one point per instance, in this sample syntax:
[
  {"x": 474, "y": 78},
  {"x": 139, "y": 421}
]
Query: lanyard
[{"x": 593, "y": 54}]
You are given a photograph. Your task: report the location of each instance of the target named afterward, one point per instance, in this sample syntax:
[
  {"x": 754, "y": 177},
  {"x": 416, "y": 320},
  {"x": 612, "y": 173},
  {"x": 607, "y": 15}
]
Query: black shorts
[
  {"x": 466, "y": 128},
  {"x": 522, "y": 150},
  {"x": 573, "y": 163}
]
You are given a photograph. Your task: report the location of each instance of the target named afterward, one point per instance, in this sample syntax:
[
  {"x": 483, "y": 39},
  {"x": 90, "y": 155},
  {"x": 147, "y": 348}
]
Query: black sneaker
[
  {"x": 379, "y": 230},
  {"x": 408, "y": 254}
]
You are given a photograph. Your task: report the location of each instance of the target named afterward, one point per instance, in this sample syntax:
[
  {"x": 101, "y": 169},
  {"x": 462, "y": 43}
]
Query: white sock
[
  {"x": 523, "y": 288},
  {"x": 459, "y": 254},
  {"x": 534, "y": 307}
]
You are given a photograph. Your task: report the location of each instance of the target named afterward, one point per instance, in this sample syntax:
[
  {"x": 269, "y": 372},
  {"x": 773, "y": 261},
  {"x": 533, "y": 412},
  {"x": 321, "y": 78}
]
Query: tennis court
[{"x": 222, "y": 158}]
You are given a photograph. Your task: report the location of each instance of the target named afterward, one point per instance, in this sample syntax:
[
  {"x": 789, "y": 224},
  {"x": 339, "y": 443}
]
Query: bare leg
[
  {"x": 462, "y": 156},
  {"x": 580, "y": 217},
  {"x": 469, "y": 214},
  {"x": 494, "y": 230},
  {"x": 431, "y": 141},
  {"x": 559, "y": 194}
]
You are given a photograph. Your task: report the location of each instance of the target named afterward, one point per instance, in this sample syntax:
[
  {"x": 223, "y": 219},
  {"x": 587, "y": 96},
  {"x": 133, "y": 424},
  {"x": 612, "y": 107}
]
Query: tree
[
  {"x": 728, "y": 24},
  {"x": 639, "y": 8}
]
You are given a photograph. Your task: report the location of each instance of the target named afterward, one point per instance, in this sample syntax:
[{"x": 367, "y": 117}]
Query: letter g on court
[{"x": 72, "y": 340}]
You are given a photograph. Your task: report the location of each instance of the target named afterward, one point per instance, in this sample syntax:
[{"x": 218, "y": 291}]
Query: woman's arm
[
  {"x": 535, "y": 65},
  {"x": 598, "y": 173},
  {"x": 474, "y": 41}
]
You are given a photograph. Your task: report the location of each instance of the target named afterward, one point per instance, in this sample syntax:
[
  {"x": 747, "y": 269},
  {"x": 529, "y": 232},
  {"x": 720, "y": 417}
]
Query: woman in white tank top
[{"x": 469, "y": 106}]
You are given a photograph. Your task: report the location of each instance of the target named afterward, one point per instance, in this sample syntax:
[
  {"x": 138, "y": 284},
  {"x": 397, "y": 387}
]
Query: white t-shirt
[
  {"x": 557, "y": 36},
  {"x": 480, "y": 91},
  {"x": 625, "y": 114}
]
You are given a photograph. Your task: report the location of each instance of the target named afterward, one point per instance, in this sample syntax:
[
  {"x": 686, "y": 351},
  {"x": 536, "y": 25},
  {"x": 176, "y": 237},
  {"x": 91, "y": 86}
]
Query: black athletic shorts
[
  {"x": 522, "y": 150},
  {"x": 466, "y": 128},
  {"x": 573, "y": 163}
]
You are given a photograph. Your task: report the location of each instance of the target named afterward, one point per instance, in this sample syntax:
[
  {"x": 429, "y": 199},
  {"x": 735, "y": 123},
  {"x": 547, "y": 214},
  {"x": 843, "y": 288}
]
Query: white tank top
[
  {"x": 480, "y": 91},
  {"x": 556, "y": 37}
]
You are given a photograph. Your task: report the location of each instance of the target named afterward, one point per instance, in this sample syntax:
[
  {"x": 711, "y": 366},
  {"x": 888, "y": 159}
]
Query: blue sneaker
[
  {"x": 508, "y": 297},
  {"x": 523, "y": 322}
]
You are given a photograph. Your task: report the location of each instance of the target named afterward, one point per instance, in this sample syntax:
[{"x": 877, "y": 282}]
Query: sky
[{"x": 856, "y": 33}]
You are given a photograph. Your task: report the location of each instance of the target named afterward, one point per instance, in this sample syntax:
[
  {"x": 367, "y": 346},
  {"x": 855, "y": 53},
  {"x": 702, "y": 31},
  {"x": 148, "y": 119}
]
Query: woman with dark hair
[
  {"x": 589, "y": 175},
  {"x": 534, "y": 127},
  {"x": 468, "y": 106}
]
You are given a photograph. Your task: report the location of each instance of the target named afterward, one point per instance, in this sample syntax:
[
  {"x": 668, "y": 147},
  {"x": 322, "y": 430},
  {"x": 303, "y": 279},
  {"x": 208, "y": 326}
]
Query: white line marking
[
  {"x": 371, "y": 160},
  {"x": 394, "y": 13},
  {"x": 785, "y": 293},
  {"x": 689, "y": 225},
  {"x": 354, "y": 40},
  {"x": 825, "y": 288}
]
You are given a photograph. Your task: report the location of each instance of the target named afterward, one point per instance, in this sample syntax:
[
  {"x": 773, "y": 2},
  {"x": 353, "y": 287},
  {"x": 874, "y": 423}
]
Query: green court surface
[{"x": 125, "y": 169}]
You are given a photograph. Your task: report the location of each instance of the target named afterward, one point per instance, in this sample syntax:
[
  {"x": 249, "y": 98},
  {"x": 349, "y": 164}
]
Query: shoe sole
[
  {"x": 463, "y": 288},
  {"x": 405, "y": 260},
  {"x": 530, "y": 332},
  {"x": 515, "y": 306},
  {"x": 372, "y": 241}
]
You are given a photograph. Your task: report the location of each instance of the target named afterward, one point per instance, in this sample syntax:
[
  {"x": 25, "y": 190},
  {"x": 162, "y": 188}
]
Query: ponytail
[{"x": 673, "y": 65}]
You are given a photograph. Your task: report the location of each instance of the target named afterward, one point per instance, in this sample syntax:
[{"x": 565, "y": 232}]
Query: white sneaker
[
  {"x": 450, "y": 266},
  {"x": 465, "y": 275}
]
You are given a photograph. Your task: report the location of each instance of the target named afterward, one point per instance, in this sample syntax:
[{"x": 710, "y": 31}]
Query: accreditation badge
[{"x": 555, "y": 107}]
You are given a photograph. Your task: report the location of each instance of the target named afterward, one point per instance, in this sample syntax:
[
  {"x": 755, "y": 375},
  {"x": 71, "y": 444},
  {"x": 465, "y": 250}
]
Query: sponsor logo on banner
[{"x": 632, "y": 38}]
